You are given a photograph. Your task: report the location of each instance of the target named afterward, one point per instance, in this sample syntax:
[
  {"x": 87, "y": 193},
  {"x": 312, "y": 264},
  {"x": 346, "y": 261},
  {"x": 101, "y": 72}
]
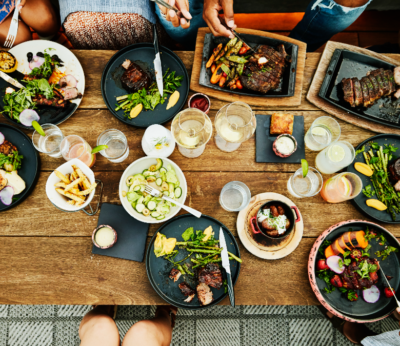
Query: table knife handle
[{"x": 231, "y": 292}]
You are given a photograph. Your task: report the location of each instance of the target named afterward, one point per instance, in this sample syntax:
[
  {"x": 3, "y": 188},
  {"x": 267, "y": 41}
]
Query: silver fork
[
  {"x": 12, "y": 32},
  {"x": 155, "y": 193}
]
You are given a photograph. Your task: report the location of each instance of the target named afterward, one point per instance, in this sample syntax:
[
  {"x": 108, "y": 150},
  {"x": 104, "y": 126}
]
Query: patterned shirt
[{"x": 6, "y": 7}]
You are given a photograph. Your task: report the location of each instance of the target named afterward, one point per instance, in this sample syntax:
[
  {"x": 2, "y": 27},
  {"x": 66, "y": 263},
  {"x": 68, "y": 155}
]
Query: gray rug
[{"x": 57, "y": 325}]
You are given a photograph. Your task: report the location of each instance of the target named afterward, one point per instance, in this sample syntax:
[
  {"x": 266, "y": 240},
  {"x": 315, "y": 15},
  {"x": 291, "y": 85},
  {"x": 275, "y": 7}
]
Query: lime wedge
[
  {"x": 319, "y": 131},
  {"x": 347, "y": 188},
  {"x": 304, "y": 166},
  {"x": 38, "y": 128},
  {"x": 99, "y": 148},
  {"x": 336, "y": 153}
]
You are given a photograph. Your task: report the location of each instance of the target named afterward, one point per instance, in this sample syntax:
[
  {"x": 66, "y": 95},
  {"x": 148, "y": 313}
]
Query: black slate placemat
[
  {"x": 131, "y": 233},
  {"x": 264, "y": 141}
]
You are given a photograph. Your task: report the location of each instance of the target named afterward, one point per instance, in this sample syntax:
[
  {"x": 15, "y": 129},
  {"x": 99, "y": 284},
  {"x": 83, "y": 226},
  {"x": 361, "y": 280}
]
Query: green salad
[{"x": 163, "y": 179}]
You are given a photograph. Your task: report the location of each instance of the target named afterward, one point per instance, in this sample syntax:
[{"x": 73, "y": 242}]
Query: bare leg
[
  {"x": 40, "y": 16},
  {"x": 23, "y": 34},
  {"x": 98, "y": 328},
  {"x": 155, "y": 332}
]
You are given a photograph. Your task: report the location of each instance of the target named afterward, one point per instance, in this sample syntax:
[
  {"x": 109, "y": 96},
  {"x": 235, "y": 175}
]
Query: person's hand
[
  {"x": 21, "y": 4},
  {"x": 181, "y": 5},
  {"x": 210, "y": 15}
]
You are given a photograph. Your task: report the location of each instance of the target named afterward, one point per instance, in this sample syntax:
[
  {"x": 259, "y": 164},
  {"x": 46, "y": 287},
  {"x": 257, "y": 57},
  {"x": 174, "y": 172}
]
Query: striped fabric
[
  {"x": 386, "y": 339},
  {"x": 145, "y": 8}
]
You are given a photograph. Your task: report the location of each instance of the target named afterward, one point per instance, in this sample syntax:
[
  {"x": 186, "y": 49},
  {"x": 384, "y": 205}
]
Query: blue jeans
[
  {"x": 322, "y": 20},
  {"x": 187, "y": 37}
]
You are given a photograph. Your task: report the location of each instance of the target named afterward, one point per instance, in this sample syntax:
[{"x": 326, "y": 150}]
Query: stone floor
[{"x": 57, "y": 325}]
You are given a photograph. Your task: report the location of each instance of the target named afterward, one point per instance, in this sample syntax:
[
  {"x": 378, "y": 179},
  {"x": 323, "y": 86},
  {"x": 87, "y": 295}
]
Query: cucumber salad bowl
[{"x": 161, "y": 174}]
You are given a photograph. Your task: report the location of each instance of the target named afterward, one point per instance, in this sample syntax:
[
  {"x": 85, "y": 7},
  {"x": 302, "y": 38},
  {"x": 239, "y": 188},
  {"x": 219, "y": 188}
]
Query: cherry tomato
[
  {"x": 336, "y": 281},
  {"x": 243, "y": 50},
  {"x": 239, "y": 84},
  {"x": 224, "y": 74},
  {"x": 389, "y": 293},
  {"x": 321, "y": 265}
]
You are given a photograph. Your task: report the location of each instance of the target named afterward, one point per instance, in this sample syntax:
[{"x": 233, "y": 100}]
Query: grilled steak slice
[
  {"x": 211, "y": 275},
  {"x": 390, "y": 77},
  {"x": 347, "y": 85},
  {"x": 40, "y": 100},
  {"x": 187, "y": 291},
  {"x": 134, "y": 78},
  {"x": 175, "y": 274},
  {"x": 358, "y": 97},
  {"x": 382, "y": 80},
  {"x": 71, "y": 94},
  {"x": 352, "y": 280},
  {"x": 364, "y": 87},
  {"x": 394, "y": 168},
  {"x": 7, "y": 148},
  {"x": 281, "y": 49},
  {"x": 204, "y": 294},
  {"x": 373, "y": 84}
]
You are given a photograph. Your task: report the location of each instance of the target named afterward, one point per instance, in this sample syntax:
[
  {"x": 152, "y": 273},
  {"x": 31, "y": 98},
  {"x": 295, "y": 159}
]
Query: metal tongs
[
  {"x": 240, "y": 39},
  {"x": 173, "y": 8}
]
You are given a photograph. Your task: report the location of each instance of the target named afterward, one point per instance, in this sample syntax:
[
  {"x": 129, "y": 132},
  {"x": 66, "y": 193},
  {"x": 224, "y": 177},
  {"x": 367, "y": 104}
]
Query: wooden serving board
[
  {"x": 251, "y": 100},
  {"x": 319, "y": 76}
]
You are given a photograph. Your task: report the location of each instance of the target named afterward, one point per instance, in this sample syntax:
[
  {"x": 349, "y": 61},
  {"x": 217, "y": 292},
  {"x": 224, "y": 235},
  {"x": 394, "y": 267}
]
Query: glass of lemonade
[
  {"x": 323, "y": 131},
  {"x": 235, "y": 196},
  {"x": 75, "y": 147},
  {"x": 341, "y": 187},
  {"x": 50, "y": 143},
  {"x": 234, "y": 123},
  {"x": 309, "y": 186},
  {"x": 118, "y": 149},
  {"x": 336, "y": 156},
  {"x": 191, "y": 129}
]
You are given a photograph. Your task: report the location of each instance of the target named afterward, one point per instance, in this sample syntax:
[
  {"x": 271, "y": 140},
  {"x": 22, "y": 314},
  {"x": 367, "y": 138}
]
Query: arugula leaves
[
  {"x": 187, "y": 234},
  {"x": 47, "y": 68},
  {"x": 14, "y": 159},
  {"x": 368, "y": 192}
]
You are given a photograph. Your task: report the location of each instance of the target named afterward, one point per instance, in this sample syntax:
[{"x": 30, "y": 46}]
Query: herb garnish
[
  {"x": 13, "y": 160},
  {"x": 46, "y": 69},
  {"x": 361, "y": 150},
  {"x": 368, "y": 192},
  {"x": 385, "y": 253},
  {"x": 326, "y": 275},
  {"x": 323, "y": 246}
]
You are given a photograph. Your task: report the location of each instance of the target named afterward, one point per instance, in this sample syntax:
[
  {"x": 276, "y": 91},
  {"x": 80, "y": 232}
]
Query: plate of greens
[
  {"x": 184, "y": 250},
  {"x": 379, "y": 153},
  {"x": 47, "y": 70},
  {"x": 150, "y": 105}
]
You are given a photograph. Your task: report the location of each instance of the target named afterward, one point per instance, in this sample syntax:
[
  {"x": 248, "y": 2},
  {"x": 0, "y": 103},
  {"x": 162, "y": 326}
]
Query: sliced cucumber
[
  {"x": 155, "y": 214},
  {"x": 177, "y": 184},
  {"x": 140, "y": 207},
  {"x": 161, "y": 217},
  {"x": 140, "y": 200},
  {"x": 166, "y": 193},
  {"x": 159, "y": 181},
  {"x": 163, "y": 170},
  {"x": 142, "y": 188},
  {"x": 139, "y": 176},
  {"x": 159, "y": 164},
  {"x": 151, "y": 179},
  {"x": 134, "y": 204},
  {"x": 178, "y": 192},
  {"x": 151, "y": 205},
  {"x": 136, "y": 188},
  {"x": 147, "y": 199},
  {"x": 171, "y": 188}
]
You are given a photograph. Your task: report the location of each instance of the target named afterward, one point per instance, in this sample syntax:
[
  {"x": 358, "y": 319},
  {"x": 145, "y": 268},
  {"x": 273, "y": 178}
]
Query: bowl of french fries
[{"x": 71, "y": 186}]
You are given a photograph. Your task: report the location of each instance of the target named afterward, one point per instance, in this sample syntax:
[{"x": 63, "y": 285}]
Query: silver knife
[
  {"x": 11, "y": 80},
  {"x": 157, "y": 64},
  {"x": 387, "y": 281},
  {"x": 226, "y": 265},
  {"x": 240, "y": 39}
]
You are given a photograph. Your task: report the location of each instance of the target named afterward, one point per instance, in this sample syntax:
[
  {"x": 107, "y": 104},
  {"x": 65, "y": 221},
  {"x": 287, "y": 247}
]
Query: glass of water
[
  {"x": 50, "y": 143},
  {"x": 118, "y": 149},
  {"x": 323, "y": 131},
  {"x": 305, "y": 187},
  {"x": 335, "y": 157},
  {"x": 235, "y": 196}
]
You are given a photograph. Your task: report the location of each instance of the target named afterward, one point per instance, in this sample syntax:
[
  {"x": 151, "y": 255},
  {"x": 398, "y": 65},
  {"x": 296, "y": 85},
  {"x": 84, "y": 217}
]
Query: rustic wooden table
[{"x": 45, "y": 254}]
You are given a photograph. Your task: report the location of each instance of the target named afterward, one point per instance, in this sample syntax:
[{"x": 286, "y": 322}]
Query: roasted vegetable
[
  {"x": 233, "y": 50},
  {"x": 243, "y": 50},
  {"x": 232, "y": 83},
  {"x": 226, "y": 69},
  {"x": 336, "y": 281},
  {"x": 8, "y": 62},
  {"x": 239, "y": 84},
  {"x": 237, "y": 59},
  {"x": 228, "y": 46},
  {"x": 240, "y": 69},
  {"x": 213, "y": 67},
  {"x": 217, "y": 74},
  {"x": 232, "y": 74},
  {"x": 222, "y": 81},
  {"x": 213, "y": 55}
]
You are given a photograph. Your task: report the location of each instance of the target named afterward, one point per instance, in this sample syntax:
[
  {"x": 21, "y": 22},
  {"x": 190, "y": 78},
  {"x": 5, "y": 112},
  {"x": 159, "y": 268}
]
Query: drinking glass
[
  {"x": 75, "y": 147},
  {"x": 234, "y": 123},
  {"x": 323, "y": 131},
  {"x": 50, "y": 143},
  {"x": 118, "y": 149},
  {"x": 191, "y": 129},
  {"x": 341, "y": 187},
  {"x": 335, "y": 157},
  {"x": 235, "y": 196},
  {"x": 305, "y": 187}
]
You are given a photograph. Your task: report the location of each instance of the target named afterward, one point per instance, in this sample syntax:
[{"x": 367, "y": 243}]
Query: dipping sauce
[
  {"x": 285, "y": 145},
  {"x": 200, "y": 101},
  {"x": 104, "y": 237}
]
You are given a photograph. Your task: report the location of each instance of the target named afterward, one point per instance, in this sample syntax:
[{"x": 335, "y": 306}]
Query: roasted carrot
[
  {"x": 213, "y": 55},
  {"x": 239, "y": 84},
  {"x": 329, "y": 251},
  {"x": 216, "y": 75},
  {"x": 213, "y": 67},
  {"x": 222, "y": 81}
]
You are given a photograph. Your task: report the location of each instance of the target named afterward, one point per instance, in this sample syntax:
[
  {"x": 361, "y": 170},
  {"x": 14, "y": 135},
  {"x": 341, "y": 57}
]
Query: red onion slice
[
  {"x": 27, "y": 116},
  {"x": 6, "y": 195},
  {"x": 333, "y": 263},
  {"x": 36, "y": 61},
  {"x": 2, "y": 138},
  {"x": 371, "y": 295}
]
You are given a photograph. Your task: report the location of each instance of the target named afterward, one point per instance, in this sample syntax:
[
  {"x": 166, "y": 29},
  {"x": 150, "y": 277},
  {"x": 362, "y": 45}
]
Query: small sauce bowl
[
  {"x": 199, "y": 96},
  {"x": 277, "y": 152},
  {"x": 106, "y": 246}
]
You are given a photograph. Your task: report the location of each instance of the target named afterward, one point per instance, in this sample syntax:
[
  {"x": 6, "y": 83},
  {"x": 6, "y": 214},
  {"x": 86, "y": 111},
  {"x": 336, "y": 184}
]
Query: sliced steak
[
  {"x": 71, "y": 93},
  {"x": 175, "y": 274},
  {"x": 382, "y": 80},
  {"x": 135, "y": 79},
  {"x": 211, "y": 275},
  {"x": 390, "y": 77},
  {"x": 373, "y": 84},
  {"x": 348, "y": 92},
  {"x": 204, "y": 294},
  {"x": 358, "y": 96},
  {"x": 364, "y": 87},
  {"x": 187, "y": 291}
]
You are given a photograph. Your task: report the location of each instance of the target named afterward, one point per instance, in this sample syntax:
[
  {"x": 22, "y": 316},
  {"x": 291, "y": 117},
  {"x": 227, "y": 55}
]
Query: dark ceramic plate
[
  {"x": 48, "y": 115},
  {"x": 30, "y": 163},
  {"x": 143, "y": 55},
  {"x": 358, "y": 310},
  {"x": 158, "y": 269},
  {"x": 346, "y": 64},
  {"x": 264, "y": 141},
  {"x": 288, "y": 82},
  {"x": 359, "y": 201}
]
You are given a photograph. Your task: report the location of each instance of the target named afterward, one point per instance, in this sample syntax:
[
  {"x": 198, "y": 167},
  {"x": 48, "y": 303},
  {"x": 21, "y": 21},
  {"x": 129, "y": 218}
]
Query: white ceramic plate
[
  {"x": 61, "y": 201},
  {"x": 138, "y": 167}
]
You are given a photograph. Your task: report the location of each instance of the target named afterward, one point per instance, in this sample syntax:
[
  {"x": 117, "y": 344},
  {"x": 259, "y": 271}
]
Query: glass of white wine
[
  {"x": 191, "y": 129},
  {"x": 234, "y": 123}
]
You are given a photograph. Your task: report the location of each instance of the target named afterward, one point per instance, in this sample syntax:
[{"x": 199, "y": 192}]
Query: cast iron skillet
[
  {"x": 143, "y": 54},
  {"x": 359, "y": 201},
  {"x": 158, "y": 269},
  {"x": 336, "y": 302},
  {"x": 30, "y": 163}
]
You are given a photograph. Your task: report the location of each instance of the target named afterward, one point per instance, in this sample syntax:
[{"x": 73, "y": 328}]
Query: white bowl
[
  {"x": 139, "y": 166},
  {"x": 61, "y": 201}
]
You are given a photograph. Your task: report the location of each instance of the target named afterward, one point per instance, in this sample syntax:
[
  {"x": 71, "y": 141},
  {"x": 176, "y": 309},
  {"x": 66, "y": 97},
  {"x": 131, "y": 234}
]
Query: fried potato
[
  {"x": 61, "y": 176},
  {"x": 87, "y": 191},
  {"x": 60, "y": 184},
  {"x": 85, "y": 182},
  {"x": 69, "y": 195},
  {"x": 71, "y": 201},
  {"x": 73, "y": 184}
]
